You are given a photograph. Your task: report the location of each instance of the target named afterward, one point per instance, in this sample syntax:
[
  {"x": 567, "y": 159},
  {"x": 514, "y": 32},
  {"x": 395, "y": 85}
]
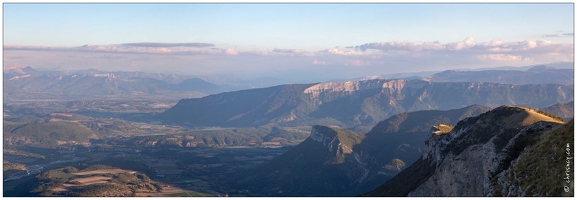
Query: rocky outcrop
[
  {"x": 337, "y": 162},
  {"x": 357, "y": 105},
  {"x": 441, "y": 129},
  {"x": 470, "y": 172},
  {"x": 330, "y": 140},
  {"x": 471, "y": 158}
]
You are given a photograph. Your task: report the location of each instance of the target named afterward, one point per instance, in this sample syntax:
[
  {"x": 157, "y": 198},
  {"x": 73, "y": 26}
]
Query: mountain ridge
[
  {"x": 360, "y": 104},
  {"x": 476, "y": 150},
  {"x": 344, "y": 162},
  {"x": 535, "y": 75}
]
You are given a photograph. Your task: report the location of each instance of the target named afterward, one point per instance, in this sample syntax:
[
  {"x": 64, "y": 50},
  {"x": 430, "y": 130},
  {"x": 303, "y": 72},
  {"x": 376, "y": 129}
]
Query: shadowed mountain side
[
  {"x": 402, "y": 137},
  {"x": 533, "y": 167},
  {"x": 335, "y": 162},
  {"x": 465, "y": 161},
  {"x": 319, "y": 166},
  {"x": 240, "y": 108},
  {"x": 357, "y": 105},
  {"x": 563, "y": 110}
]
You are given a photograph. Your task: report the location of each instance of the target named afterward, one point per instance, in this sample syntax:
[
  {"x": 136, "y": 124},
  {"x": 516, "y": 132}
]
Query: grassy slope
[
  {"x": 540, "y": 169},
  {"x": 419, "y": 171}
]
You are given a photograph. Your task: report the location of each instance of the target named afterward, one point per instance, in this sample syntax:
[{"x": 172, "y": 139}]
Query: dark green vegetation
[
  {"x": 551, "y": 115},
  {"x": 256, "y": 137},
  {"x": 505, "y": 136},
  {"x": 22, "y": 153},
  {"x": 46, "y": 135},
  {"x": 196, "y": 171},
  {"x": 543, "y": 167},
  {"x": 60, "y": 117},
  {"x": 83, "y": 110},
  {"x": 335, "y": 162},
  {"x": 405, "y": 181},
  {"x": 355, "y": 105}
]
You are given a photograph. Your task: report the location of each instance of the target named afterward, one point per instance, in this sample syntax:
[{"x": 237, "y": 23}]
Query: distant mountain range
[
  {"x": 30, "y": 84},
  {"x": 508, "y": 151},
  {"x": 563, "y": 110},
  {"x": 357, "y": 105},
  {"x": 535, "y": 75}
]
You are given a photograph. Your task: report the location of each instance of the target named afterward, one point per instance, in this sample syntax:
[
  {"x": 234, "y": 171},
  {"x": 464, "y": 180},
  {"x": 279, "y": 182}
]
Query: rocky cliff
[
  {"x": 336, "y": 162},
  {"x": 357, "y": 105},
  {"x": 323, "y": 165},
  {"x": 472, "y": 158}
]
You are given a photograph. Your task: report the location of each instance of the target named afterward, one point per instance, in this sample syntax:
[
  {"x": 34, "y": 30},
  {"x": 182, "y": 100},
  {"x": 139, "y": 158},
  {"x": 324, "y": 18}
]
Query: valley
[
  {"x": 319, "y": 139},
  {"x": 288, "y": 99}
]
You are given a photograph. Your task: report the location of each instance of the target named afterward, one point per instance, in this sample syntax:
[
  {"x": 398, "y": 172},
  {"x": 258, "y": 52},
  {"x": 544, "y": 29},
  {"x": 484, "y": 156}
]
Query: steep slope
[
  {"x": 353, "y": 104},
  {"x": 321, "y": 165},
  {"x": 402, "y": 138},
  {"x": 534, "y": 75},
  {"x": 540, "y": 167},
  {"x": 241, "y": 108},
  {"x": 317, "y": 167},
  {"x": 563, "y": 110},
  {"x": 465, "y": 161}
]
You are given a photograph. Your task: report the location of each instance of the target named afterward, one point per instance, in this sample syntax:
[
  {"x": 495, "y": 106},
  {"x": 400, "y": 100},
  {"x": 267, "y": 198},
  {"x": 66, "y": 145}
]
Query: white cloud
[
  {"x": 316, "y": 62},
  {"x": 291, "y": 51},
  {"x": 469, "y": 45},
  {"x": 500, "y": 57},
  {"x": 230, "y": 51},
  {"x": 341, "y": 52},
  {"x": 358, "y": 63},
  {"x": 363, "y": 60}
]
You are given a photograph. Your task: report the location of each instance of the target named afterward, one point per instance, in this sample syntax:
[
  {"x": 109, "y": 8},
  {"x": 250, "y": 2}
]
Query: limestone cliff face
[
  {"x": 332, "y": 141},
  {"x": 358, "y": 104},
  {"x": 398, "y": 89},
  {"x": 469, "y": 158},
  {"x": 470, "y": 172}
]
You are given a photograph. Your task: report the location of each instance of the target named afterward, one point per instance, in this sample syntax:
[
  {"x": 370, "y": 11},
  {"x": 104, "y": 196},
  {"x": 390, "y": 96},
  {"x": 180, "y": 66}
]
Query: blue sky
[{"x": 273, "y": 39}]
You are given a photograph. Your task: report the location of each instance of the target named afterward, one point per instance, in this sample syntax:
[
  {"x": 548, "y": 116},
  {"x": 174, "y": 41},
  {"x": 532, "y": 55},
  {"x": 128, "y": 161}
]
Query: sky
[{"x": 305, "y": 41}]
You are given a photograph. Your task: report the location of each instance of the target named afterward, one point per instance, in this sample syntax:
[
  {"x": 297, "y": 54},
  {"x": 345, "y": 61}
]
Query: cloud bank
[
  {"x": 157, "y": 44},
  {"x": 470, "y": 46},
  {"x": 375, "y": 58}
]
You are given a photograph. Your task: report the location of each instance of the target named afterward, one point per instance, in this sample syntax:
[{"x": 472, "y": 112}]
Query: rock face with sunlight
[
  {"x": 482, "y": 156},
  {"x": 357, "y": 105},
  {"x": 336, "y": 162}
]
